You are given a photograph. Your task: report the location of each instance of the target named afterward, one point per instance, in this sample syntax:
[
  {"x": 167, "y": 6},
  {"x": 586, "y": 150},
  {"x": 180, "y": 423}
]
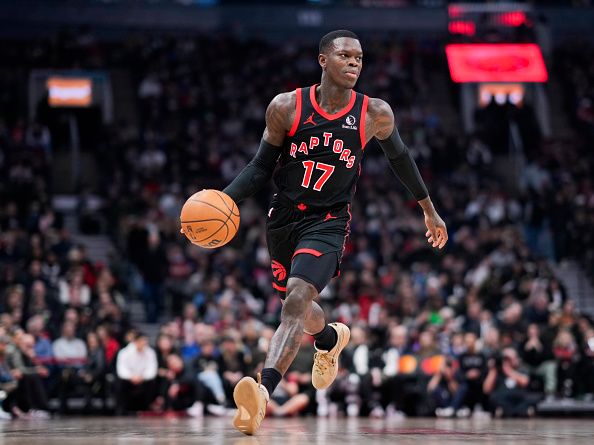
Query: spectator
[
  {"x": 30, "y": 396},
  {"x": 232, "y": 365},
  {"x": 8, "y": 383},
  {"x": 74, "y": 292},
  {"x": 538, "y": 308},
  {"x": 364, "y": 376},
  {"x": 505, "y": 384},
  {"x": 70, "y": 354},
  {"x": 254, "y": 354},
  {"x": 181, "y": 391},
  {"x": 206, "y": 369},
  {"x": 287, "y": 401},
  {"x": 14, "y": 302},
  {"x": 473, "y": 367},
  {"x": 179, "y": 271},
  {"x": 426, "y": 346},
  {"x": 568, "y": 315},
  {"x": 43, "y": 345},
  {"x": 68, "y": 349},
  {"x": 108, "y": 311},
  {"x": 472, "y": 321},
  {"x": 511, "y": 323},
  {"x": 298, "y": 391},
  {"x": 136, "y": 370},
  {"x": 153, "y": 267},
  {"x": 446, "y": 390},
  {"x": 93, "y": 372},
  {"x": 397, "y": 347},
  {"x": 109, "y": 344},
  {"x": 164, "y": 374},
  {"x": 492, "y": 343},
  {"x": 567, "y": 355},
  {"x": 586, "y": 367},
  {"x": 539, "y": 360},
  {"x": 397, "y": 388}
]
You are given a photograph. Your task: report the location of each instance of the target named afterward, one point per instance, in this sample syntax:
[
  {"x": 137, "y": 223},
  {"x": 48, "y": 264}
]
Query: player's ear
[{"x": 322, "y": 59}]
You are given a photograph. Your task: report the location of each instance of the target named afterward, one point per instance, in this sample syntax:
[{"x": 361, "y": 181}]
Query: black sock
[
  {"x": 270, "y": 379},
  {"x": 326, "y": 339}
]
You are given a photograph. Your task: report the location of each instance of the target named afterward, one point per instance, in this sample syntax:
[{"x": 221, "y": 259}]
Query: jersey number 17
[{"x": 327, "y": 170}]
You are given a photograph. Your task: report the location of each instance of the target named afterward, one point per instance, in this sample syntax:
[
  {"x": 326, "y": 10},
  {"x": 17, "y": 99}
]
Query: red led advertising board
[{"x": 496, "y": 62}]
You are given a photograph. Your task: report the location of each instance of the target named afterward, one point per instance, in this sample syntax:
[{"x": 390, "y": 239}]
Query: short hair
[{"x": 327, "y": 40}]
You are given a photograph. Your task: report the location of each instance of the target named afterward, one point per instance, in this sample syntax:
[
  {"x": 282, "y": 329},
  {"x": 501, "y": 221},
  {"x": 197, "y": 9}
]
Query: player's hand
[{"x": 437, "y": 234}]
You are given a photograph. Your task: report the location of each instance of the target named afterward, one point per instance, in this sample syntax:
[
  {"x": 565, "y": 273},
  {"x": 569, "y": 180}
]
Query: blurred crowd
[
  {"x": 483, "y": 327},
  {"x": 575, "y": 69}
]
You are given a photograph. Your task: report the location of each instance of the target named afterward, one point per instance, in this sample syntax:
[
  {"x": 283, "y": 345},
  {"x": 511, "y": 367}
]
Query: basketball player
[{"x": 318, "y": 136}]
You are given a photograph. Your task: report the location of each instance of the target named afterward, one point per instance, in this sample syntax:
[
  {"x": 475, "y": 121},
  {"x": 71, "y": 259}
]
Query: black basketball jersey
[{"x": 321, "y": 155}]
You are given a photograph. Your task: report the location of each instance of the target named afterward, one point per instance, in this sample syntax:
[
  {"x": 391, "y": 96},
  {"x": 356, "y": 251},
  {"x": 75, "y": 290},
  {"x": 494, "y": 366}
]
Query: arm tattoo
[{"x": 279, "y": 116}]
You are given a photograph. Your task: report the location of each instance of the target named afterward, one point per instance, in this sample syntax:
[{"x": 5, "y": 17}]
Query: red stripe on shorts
[{"x": 313, "y": 252}]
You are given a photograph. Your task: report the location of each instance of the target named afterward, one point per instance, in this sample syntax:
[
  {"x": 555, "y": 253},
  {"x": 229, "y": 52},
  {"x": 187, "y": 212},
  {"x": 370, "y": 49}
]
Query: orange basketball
[{"x": 209, "y": 219}]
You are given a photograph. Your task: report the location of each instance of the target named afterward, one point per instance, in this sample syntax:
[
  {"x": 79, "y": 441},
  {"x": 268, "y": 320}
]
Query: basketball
[{"x": 209, "y": 218}]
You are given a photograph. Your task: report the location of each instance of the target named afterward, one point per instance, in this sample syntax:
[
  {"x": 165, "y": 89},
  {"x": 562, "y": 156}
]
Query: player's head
[{"x": 341, "y": 57}]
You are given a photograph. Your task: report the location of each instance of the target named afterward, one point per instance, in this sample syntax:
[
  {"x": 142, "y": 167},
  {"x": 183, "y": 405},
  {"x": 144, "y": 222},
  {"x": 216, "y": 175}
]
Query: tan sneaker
[
  {"x": 325, "y": 365},
  {"x": 251, "y": 399}
]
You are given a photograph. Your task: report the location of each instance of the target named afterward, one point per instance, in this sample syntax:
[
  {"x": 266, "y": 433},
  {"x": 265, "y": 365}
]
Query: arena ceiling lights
[{"x": 496, "y": 62}]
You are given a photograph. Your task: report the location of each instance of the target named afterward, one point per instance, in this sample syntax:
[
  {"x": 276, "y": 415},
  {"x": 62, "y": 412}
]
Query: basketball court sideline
[{"x": 296, "y": 431}]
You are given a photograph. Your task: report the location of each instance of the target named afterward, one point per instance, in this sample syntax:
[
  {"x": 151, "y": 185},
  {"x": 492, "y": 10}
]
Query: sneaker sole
[
  {"x": 246, "y": 395},
  {"x": 341, "y": 342}
]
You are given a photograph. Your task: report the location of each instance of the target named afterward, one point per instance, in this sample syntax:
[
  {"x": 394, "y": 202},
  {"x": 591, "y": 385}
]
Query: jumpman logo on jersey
[{"x": 310, "y": 120}]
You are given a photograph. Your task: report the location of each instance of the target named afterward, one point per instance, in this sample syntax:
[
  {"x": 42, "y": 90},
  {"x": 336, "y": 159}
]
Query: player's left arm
[{"x": 380, "y": 120}]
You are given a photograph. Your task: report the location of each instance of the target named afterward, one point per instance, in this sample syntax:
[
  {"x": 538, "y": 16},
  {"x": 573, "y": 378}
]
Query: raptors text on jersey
[{"x": 321, "y": 155}]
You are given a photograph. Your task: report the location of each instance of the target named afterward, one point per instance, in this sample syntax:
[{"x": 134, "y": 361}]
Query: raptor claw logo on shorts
[{"x": 278, "y": 270}]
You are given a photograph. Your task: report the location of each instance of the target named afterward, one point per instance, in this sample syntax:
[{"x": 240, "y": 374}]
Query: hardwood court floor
[{"x": 306, "y": 431}]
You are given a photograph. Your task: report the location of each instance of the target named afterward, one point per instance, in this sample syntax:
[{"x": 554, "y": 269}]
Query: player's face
[{"x": 343, "y": 61}]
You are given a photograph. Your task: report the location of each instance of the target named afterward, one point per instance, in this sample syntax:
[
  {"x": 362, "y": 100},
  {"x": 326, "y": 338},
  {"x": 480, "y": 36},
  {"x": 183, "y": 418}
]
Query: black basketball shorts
[{"x": 305, "y": 243}]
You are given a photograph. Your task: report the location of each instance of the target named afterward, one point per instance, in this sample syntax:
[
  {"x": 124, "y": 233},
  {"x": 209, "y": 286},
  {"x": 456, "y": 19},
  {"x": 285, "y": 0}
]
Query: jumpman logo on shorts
[
  {"x": 329, "y": 216},
  {"x": 310, "y": 120}
]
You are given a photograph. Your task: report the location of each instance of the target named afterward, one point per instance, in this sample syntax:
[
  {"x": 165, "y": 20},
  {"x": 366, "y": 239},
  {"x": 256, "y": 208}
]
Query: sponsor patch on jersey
[{"x": 350, "y": 123}]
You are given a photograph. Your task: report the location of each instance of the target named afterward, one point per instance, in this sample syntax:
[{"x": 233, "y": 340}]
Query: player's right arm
[{"x": 279, "y": 118}]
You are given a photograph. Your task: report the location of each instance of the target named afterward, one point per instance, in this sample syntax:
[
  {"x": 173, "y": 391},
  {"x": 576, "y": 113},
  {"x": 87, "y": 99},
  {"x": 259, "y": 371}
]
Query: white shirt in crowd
[
  {"x": 361, "y": 359},
  {"x": 132, "y": 362},
  {"x": 69, "y": 349},
  {"x": 74, "y": 296},
  {"x": 392, "y": 360}
]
